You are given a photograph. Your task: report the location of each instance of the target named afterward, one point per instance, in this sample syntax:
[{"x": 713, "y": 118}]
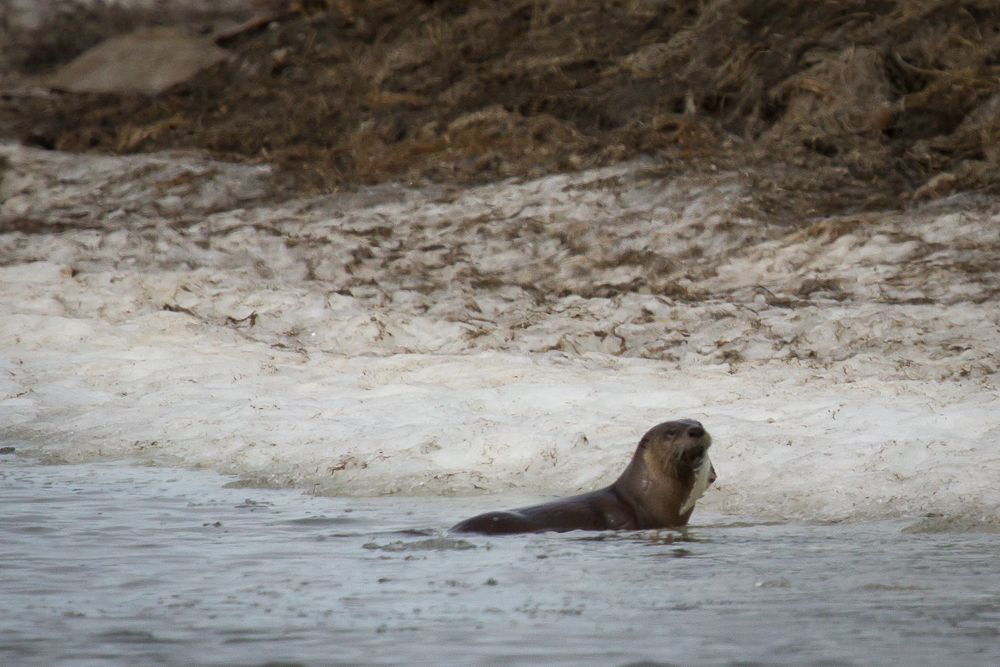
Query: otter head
[{"x": 670, "y": 471}]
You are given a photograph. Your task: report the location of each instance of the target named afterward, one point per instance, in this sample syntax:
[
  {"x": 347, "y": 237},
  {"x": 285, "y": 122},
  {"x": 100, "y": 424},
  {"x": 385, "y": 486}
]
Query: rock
[{"x": 145, "y": 61}]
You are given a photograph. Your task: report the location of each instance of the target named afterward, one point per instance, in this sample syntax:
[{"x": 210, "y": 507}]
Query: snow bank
[{"x": 520, "y": 335}]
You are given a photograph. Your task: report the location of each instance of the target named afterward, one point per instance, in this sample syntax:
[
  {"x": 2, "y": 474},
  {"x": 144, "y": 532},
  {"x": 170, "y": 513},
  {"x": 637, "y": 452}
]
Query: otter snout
[{"x": 693, "y": 443}]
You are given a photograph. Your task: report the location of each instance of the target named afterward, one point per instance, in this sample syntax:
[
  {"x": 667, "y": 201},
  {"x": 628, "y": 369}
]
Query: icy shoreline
[{"x": 510, "y": 336}]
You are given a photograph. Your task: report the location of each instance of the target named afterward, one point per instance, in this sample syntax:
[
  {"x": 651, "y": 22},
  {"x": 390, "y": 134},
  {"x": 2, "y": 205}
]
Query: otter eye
[{"x": 696, "y": 431}]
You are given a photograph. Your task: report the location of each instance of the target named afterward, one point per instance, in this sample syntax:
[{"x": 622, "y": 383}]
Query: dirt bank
[{"x": 824, "y": 107}]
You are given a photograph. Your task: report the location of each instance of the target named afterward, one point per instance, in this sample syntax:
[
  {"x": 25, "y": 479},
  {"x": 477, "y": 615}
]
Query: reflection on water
[{"x": 113, "y": 565}]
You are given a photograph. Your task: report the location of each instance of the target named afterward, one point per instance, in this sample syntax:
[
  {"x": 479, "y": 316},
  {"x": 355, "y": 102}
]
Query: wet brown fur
[{"x": 648, "y": 494}]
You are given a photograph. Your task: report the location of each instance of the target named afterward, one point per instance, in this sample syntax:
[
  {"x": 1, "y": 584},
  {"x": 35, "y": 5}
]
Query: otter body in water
[{"x": 668, "y": 474}]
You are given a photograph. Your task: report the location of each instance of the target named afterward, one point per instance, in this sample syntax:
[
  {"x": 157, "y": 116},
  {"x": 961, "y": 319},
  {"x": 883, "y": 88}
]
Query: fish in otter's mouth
[{"x": 704, "y": 475}]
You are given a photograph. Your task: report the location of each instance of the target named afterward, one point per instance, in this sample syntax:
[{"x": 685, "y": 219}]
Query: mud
[{"x": 823, "y": 108}]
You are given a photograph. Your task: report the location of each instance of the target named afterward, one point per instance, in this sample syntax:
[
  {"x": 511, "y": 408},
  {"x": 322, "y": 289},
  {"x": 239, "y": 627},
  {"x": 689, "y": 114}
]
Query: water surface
[{"x": 115, "y": 565}]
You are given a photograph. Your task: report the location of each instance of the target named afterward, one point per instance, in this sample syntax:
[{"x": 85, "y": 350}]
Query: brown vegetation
[{"x": 827, "y": 106}]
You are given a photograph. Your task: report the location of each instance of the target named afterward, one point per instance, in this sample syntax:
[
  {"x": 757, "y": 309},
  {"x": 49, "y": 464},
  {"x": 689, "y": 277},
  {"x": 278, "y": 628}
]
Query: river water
[{"x": 110, "y": 564}]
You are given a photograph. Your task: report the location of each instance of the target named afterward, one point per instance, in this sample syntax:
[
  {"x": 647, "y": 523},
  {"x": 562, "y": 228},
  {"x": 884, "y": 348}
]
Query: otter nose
[{"x": 696, "y": 431}]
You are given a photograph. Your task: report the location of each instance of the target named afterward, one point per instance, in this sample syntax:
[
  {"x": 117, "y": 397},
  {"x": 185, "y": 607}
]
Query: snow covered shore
[{"x": 513, "y": 336}]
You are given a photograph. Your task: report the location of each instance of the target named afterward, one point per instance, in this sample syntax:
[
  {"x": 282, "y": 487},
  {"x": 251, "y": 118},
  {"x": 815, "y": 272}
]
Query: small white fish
[{"x": 704, "y": 475}]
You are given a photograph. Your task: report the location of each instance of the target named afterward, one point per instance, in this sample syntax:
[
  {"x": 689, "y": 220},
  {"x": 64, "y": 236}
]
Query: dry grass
[{"x": 837, "y": 106}]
